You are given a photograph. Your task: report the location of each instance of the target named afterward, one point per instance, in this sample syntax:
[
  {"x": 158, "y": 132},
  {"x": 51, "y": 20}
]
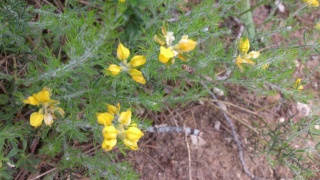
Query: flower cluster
[
  {"x": 297, "y": 84},
  {"x": 124, "y": 129},
  {"x": 123, "y": 53},
  {"x": 168, "y": 51},
  {"x": 244, "y": 57},
  {"x": 312, "y": 3},
  {"x": 47, "y": 111}
]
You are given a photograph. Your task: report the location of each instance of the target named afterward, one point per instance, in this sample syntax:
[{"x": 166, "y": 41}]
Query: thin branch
[{"x": 170, "y": 129}]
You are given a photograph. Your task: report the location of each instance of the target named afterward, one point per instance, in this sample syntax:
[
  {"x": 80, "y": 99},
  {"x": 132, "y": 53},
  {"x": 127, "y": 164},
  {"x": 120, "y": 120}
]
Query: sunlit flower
[
  {"x": 244, "y": 57},
  {"x": 46, "y": 112},
  {"x": 123, "y": 53},
  {"x": 122, "y": 128},
  {"x": 130, "y": 144},
  {"x": 133, "y": 134},
  {"x": 108, "y": 144},
  {"x": 109, "y": 132},
  {"x": 105, "y": 118},
  {"x": 168, "y": 51},
  {"x": 113, "y": 109},
  {"x": 298, "y": 85},
  {"x": 36, "y": 119},
  {"x": 125, "y": 117},
  {"x": 312, "y": 3}
]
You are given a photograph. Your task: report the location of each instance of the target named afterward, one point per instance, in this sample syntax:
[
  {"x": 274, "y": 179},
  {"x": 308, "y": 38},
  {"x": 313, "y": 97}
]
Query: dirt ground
[{"x": 214, "y": 154}]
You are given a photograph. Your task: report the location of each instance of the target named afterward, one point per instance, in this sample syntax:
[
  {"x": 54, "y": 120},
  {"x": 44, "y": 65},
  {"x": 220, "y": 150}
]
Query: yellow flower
[
  {"x": 137, "y": 76},
  {"x": 186, "y": 44},
  {"x": 122, "y": 52},
  {"x": 125, "y": 117},
  {"x": 122, "y": 1},
  {"x": 109, "y": 132},
  {"x": 297, "y": 84},
  {"x": 43, "y": 96},
  {"x": 312, "y": 3},
  {"x": 49, "y": 107},
  {"x": 36, "y": 119},
  {"x": 244, "y": 57},
  {"x": 108, "y": 144},
  {"x": 240, "y": 61},
  {"x": 31, "y": 100},
  {"x": 133, "y": 133},
  {"x": 165, "y": 54},
  {"x": 138, "y": 60},
  {"x": 105, "y": 118},
  {"x": 113, "y": 109},
  {"x": 130, "y": 144},
  {"x": 244, "y": 45},
  {"x": 168, "y": 51},
  {"x": 113, "y": 69}
]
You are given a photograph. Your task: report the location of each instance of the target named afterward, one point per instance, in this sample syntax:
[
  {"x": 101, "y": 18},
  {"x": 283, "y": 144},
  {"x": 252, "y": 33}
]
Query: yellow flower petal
[
  {"x": 159, "y": 39},
  {"x": 130, "y": 144},
  {"x": 165, "y": 54},
  {"x": 135, "y": 72},
  {"x": 139, "y": 79},
  {"x": 36, "y": 119},
  {"x": 239, "y": 61},
  {"x": 31, "y": 100},
  {"x": 312, "y": 3},
  {"x": 109, "y": 132},
  {"x": 244, "y": 45},
  {"x": 114, "y": 69},
  {"x": 297, "y": 84},
  {"x": 122, "y": 52},
  {"x": 43, "y": 96},
  {"x": 48, "y": 119},
  {"x": 137, "y": 76},
  {"x": 138, "y": 61},
  {"x": 125, "y": 117},
  {"x": 105, "y": 118},
  {"x": 186, "y": 44},
  {"x": 108, "y": 144},
  {"x": 113, "y": 109},
  {"x": 133, "y": 133}
]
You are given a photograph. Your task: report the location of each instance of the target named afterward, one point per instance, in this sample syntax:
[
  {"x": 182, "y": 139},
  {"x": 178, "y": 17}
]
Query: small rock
[
  {"x": 303, "y": 109},
  {"x": 281, "y": 120}
]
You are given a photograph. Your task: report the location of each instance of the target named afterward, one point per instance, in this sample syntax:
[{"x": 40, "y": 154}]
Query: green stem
[{"x": 246, "y": 18}]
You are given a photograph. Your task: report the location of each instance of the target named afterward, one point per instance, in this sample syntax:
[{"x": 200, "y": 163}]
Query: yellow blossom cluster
[
  {"x": 123, "y": 53},
  {"x": 168, "y": 51},
  {"x": 124, "y": 128},
  {"x": 47, "y": 110},
  {"x": 244, "y": 57},
  {"x": 312, "y": 3}
]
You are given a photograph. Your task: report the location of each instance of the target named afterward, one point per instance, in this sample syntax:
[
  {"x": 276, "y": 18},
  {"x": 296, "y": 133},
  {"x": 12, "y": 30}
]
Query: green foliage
[{"x": 68, "y": 50}]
